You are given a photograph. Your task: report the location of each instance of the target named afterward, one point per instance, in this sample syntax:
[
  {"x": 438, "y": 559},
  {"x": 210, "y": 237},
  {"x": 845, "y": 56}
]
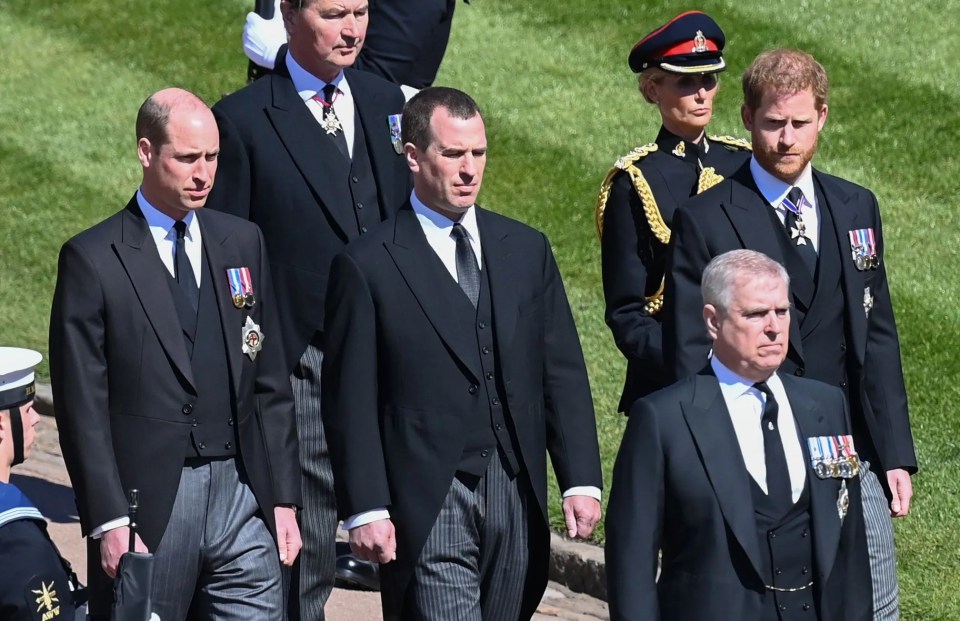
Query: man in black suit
[
  {"x": 311, "y": 154},
  {"x": 405, "y": 43},
  {"x": 453, "y": 366},
  {"x": 827, "y": 233},
  {"x": 723, "y": 471},
  {"x": 168, "y": 377}
]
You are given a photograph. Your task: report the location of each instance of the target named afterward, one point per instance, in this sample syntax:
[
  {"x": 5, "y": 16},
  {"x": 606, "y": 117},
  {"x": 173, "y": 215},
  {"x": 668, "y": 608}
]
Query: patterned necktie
[
  {"x": 795, "y": 225},
  {"x": 468, "y": 272},
  {"x": 779, "y": 488},
  {"x": 182, "y": 268}
]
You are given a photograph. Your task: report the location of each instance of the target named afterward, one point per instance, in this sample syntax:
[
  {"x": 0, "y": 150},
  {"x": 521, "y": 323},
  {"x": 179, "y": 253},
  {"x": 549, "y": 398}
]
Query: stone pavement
[{"x": 44, "y": 479}]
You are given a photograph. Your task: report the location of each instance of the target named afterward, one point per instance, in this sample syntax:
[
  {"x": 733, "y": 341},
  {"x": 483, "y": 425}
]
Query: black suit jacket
[
  {"x": 278, "y": 169},
  {"x": 680, "y": 485},
  {"x": 400, "y": 373},
  {"x": 734, "y": 215},
  {"x": 122, "y": 377}
]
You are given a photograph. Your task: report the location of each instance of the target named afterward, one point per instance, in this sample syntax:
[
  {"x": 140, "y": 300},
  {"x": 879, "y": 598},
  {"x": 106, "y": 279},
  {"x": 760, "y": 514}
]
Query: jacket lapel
[
  {"x": 747, "y": 214},
  {"x": 422, "y": 271},
  {"x": 220, "y": 258},
  {"x": 709, "y": 423},
  {"x": 322, "y": 165},
  {"x": 823, "y": 492},
  {"x": 503, "y": 294},
  {"x": 138, "y": 254},
  {"x": 376, "y": 130}
]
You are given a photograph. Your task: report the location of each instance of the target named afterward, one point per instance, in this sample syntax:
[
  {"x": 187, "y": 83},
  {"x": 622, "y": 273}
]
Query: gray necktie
[{"x": 468, "y": 272}]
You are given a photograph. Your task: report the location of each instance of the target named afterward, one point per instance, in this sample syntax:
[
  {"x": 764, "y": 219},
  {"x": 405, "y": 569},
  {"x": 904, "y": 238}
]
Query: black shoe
[{"x": 353, "y": 573}]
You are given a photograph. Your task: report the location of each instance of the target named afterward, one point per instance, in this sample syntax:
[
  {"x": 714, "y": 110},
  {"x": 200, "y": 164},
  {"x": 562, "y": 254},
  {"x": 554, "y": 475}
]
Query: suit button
[
  {"x": 495, "y": 401},
  {"x": 230, "y": 422},
  {"x": 202, "y": 446},
  {"x": 485, "y": 350},
  {"x": 359, "y": 205},
  {"x": 782, "y": 607},
  {"x": 771, "y": 534},
  {"x": 194, "y": 423},
  {"x": 843, "y": 383},
  {"x": 484, "y": 453},
  {"x": 473, "y": 389},
  {"x": 806, "y": 607},
  {"x": 482, "y": 325},
  {"x": 363, "y": 229},
  {"x": 489, "y": 375},
  {"x": 804, "y": 571},
  {"x": 843, "y": 347},
  {"x": 228, "y": 446},
  {"x": 187, "y": 409},
  {"x": 804, "y": 533},
  {"x": 355, "y": 179},
  {"x": 498, "y": 426},
  {"x": 778, "y": 571},
  {"x": 799, "y": 372}
]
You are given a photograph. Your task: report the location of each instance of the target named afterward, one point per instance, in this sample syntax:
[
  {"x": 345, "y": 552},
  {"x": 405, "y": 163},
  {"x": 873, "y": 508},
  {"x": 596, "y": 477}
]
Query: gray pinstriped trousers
[
  {"x": 476, "y": 563},
  {"x": 311, "y": 579},
  {"x": 883, "y": 562},
  {"x": 217, "y": 559}
]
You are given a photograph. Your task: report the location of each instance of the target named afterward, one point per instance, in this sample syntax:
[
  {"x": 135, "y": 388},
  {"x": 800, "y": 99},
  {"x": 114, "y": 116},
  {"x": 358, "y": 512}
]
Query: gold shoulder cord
[{"x": 707, "y": 178}]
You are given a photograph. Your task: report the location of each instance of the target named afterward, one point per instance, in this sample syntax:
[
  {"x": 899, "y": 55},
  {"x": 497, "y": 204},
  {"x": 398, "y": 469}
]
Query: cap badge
[{"x": 699, "y": 43}]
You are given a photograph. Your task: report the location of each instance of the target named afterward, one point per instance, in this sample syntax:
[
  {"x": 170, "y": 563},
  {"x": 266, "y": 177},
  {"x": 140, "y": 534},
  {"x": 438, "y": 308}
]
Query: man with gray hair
[{"x": 745, "y": 479}]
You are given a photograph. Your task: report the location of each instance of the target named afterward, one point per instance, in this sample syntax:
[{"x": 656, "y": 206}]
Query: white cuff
[
  {"x": 365, "y": 518},
  {"x": 584, "y": 490},
  {"x": 97, "y": 532}
]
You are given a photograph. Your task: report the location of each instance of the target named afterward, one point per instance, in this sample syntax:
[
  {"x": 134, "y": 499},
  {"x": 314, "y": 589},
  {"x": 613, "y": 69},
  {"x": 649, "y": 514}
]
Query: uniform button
[
  {"x": 484, "y": 453},
  {"x": 779, "y": 571},
  {"x": 806, "y": 607},
  {"x": 482, "y": 325},
  {"x": 485, "y": 350},
  {"x": 202, "y": 446},
  {"x": 498, "y": 426},
  {"x": 363, "y": 229},
  {"x": 355, "y": 179},
  {"x": 228, "y": 446},
  {"x": 187, "y": 409},
  {"x": 843, "y": 383},
  {"x": 359, "y": 205},
  {"x": 489, "y": 375},
  {"x": 473, "y": 389},
  {"x": 495, "y": 401},
  {"x": 799, "y": 372}
]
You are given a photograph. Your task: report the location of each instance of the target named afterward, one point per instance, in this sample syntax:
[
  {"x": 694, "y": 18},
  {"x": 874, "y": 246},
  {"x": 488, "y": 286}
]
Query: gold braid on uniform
[{"x": 732, "y": 141}]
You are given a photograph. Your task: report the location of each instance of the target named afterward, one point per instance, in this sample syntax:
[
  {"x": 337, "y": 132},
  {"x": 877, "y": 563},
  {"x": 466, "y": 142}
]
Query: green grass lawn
[{"x": 561, "y": 107}]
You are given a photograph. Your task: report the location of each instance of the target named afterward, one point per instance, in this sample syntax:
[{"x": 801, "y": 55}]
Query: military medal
[
  {"x": 798, "y": 233},
  {"x": 241, "y": 287},
  {"x": 331, "y": 124},
  {"x": 393, "y": 121},
  {"x": 863, "y": 249},
  {"x": 252, "y": 338},
  {"x": 833, "y": 457},
  {"x": 843, "y": 501},
  {"x": 867, "y": 301},
  {"x": 817, "y": 459}
]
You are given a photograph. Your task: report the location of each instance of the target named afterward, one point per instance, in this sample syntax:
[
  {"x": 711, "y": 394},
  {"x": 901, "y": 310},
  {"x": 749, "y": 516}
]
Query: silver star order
[
  {"x": 797, "y": 233},
  {"x": 332, "y": 124}
]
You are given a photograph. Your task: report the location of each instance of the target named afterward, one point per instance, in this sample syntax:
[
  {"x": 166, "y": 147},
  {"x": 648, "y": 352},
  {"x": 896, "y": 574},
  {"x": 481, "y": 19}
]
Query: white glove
[{"x": 262, "y": 38}]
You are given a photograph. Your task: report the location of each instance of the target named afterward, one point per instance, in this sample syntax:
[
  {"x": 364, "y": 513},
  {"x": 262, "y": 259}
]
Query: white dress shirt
[
  {"x": 745, "y": 406},
  {"x": 774, "y": 191},
  {"x": 308, "y": 85},
  {"x": 438, "y": 228},
  {"x": 165, "y": 236}
]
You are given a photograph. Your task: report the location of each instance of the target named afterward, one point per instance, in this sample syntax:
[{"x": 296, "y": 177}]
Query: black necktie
[
  {"x": 182, "y": 269},
  {"x": 797, "y": 230},
  {"x": 330, "y": 116},
  {"x": 468, "y": 272},
  {"x": 779, "y": 488}
]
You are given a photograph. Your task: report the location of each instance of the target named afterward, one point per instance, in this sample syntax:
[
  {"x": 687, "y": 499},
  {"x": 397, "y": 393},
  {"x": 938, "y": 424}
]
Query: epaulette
[
  {"x": 627, "y": 164},
  {"x": 739, "y": 144}
]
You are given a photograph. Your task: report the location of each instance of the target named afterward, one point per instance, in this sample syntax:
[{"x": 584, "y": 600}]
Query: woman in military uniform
[
  {"x": 34, "y": 582},
  {"x": 677, "y": 65}
]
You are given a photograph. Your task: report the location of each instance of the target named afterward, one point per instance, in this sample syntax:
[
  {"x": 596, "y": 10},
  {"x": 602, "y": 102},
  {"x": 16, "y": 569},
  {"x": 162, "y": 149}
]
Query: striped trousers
[{"x": 883, "y": 562}]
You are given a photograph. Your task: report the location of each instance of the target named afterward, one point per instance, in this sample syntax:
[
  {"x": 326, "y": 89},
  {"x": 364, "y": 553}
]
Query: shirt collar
[
  {"x": 308, "y": 85},
  {"x": 733, "y": 385},
  {"x": 159, "y": 220},
  {"x": 775, "y": 190},
  {"x": 432, "y": 221}
]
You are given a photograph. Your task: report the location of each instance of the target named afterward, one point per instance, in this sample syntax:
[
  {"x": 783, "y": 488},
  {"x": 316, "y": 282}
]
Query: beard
[{"x": 786, "y": 170}]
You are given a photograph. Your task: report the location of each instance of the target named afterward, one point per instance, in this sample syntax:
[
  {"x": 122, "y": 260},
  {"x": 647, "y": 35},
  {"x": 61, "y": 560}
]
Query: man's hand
[
  {"x": 262, "y": 38},
  {"x": 115, "y": 543},
  {"x": 902, "y": 489},
  {"x": 375, "y": 542},
  {"x": 581, "y": 514},
  {"x": 288, "y": 534}
]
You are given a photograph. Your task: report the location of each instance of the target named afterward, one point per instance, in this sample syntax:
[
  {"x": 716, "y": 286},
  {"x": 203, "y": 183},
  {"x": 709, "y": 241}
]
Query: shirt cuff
[
  {"x": 584, "y": 490},
  {"x": 365, "y": 518},
  {"x": 97, "y": 532}
]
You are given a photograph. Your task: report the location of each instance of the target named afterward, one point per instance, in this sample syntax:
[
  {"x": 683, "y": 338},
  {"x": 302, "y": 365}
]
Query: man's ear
[
  {"x": 144, "y": 152},
  {"x": 411, "y": 154},
  {"x": 712, "y": 320},
  {"x": 746, "y": 115}
]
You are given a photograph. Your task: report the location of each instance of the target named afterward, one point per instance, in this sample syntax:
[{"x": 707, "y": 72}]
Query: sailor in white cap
[{"x": 35, "y": 581}]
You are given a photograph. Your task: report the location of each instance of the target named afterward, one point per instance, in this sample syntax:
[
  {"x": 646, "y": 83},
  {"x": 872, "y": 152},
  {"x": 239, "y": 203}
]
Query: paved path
[{"x": 44, "y": 479}]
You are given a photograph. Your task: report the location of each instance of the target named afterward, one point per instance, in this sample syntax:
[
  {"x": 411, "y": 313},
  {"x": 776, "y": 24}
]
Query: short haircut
[
  {"x": 654, "y": 75},
  {"x": 784, "y": 71},
  {"x": 415, "y": 127},
  {"x": 154, "y": 114},
  {"x": 721, "y": 274}
]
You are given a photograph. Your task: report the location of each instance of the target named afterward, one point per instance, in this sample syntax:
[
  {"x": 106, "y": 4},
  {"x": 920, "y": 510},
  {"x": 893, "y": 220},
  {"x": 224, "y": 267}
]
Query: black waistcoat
[
  {"x": 211, "y": 415},
  {"x": 786, "y": 543},
  {"x": 363, "y": 185},
  {"x": 490, "y": 426}
]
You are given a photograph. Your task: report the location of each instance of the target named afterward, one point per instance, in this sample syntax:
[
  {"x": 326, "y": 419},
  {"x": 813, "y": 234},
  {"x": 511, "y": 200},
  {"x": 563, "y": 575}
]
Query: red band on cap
[{"x": 688, "y": 47}]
